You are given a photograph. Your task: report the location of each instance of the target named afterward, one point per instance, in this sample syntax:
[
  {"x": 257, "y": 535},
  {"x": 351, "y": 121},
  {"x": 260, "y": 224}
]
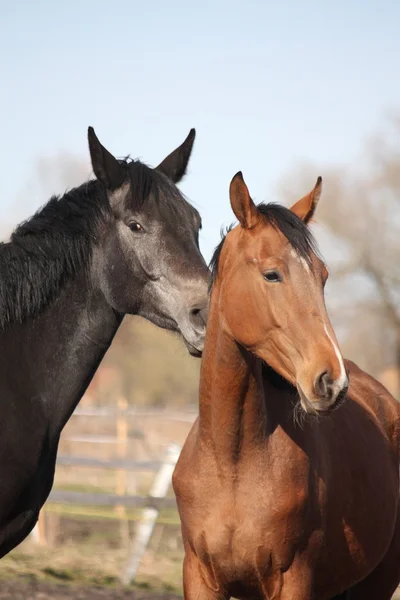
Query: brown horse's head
[{"x": 271, "y": 296}]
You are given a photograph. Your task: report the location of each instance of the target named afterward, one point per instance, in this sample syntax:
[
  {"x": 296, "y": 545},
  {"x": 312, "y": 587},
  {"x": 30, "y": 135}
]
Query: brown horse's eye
[
  {"x": 134, "y": 226},
  {"x": 273, "y": 276}
]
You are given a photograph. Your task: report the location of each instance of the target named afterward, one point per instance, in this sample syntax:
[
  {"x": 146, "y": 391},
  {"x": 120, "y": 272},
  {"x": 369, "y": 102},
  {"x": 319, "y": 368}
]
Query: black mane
[
  {"x": 283, "y": 219},
  {"x": 57, "y": 242}
]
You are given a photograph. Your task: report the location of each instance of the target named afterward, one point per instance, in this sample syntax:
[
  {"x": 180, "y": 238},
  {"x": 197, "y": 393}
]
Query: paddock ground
[{"x": 31, "y": 589}]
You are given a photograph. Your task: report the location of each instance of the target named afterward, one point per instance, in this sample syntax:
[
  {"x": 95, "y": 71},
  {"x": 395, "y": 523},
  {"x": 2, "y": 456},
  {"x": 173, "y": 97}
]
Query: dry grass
[{"x": 94, "y": 552}]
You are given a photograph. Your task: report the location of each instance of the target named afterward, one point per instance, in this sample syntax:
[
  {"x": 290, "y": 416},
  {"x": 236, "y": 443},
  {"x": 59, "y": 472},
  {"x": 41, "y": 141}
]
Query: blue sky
[{"x": 266, "y": 84}]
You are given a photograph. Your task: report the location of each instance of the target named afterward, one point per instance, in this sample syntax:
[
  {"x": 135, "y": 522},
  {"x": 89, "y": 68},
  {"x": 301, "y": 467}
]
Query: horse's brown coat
[{"x": 274, "y": 503}]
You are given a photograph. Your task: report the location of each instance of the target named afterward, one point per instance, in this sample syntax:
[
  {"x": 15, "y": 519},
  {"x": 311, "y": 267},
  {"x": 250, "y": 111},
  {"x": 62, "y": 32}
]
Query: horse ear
[
  {"x": 106, "y": 168},
  {"x": 243, "y": 206},
  {"x": 305, "y": 207},
  {"x": 175, "y": 165}
]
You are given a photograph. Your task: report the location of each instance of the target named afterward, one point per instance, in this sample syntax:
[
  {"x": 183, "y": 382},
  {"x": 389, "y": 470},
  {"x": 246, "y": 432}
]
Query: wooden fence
[{"x": 150, "y": 505}]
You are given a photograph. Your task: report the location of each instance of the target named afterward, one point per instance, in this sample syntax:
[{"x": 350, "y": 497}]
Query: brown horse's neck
[{"x": 233, "y": 412}]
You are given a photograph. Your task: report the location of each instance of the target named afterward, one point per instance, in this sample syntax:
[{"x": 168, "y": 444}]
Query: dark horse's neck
[
  {"x": 46, "y": 364},
  {"x": 55, "y": 324},
  {"x": 49, "y": 361},
  {"x": 239, "y": 405}
]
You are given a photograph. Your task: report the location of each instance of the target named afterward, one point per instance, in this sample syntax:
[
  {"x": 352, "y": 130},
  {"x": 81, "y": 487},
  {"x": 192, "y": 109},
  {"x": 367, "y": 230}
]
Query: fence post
[
  {"x": 38, "y": 533},
  {"x": 122, "y": 442},
  {"x": 149, "y": 516},
  {"x": 121, "y": 474}
]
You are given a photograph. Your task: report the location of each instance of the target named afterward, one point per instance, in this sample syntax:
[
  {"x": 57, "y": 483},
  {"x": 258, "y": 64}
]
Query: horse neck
[
  {"x": 233, "y": 413},
  {"x": 58, "y": 352}
]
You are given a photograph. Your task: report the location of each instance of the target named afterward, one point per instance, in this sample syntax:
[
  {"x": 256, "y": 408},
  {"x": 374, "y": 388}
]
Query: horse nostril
[
  {"x": 323, "y": 385},
  {"x": 198, "y": 317}
]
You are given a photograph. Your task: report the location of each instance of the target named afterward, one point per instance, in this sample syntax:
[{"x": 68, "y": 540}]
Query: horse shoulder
[{"x": 373, "y": 396}]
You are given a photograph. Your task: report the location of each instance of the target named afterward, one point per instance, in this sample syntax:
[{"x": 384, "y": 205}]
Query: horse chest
[
  {"x": 248, "y": 535},
  {"x": 245, "y": 522}
]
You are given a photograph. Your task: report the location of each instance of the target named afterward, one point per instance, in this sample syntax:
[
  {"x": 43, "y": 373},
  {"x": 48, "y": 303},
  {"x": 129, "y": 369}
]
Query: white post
[
  {"x": 38, "y": 532},
  {"x": 35, "y": 534},
  {"x": 148, "y": 520}
]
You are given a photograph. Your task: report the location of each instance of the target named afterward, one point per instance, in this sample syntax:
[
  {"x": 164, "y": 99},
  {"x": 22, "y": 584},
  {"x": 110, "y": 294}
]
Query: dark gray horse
[{"x": 124, "y": 243}]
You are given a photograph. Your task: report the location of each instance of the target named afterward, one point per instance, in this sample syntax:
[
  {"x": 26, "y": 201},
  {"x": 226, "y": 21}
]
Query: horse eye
[
  {"x": 134, "y": 226},
  {"x": 273, "y": 276}
]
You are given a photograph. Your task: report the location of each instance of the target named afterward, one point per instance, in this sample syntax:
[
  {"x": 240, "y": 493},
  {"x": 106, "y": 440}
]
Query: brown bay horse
[{"x": 281, "y": 496}]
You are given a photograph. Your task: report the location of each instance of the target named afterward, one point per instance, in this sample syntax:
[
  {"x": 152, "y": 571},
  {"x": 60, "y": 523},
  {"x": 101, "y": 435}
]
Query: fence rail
[
  {"x": 94, "y": 499},
  {"x": 114, "y": 463},
  {"x": 187, "y": 416}
]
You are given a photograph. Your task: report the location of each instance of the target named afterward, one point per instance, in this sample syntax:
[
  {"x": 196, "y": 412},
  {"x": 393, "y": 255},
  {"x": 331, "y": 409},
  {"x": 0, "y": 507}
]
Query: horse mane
[
  {"x": 57, "y": 241},
  {"x": 281, "y": 218}
]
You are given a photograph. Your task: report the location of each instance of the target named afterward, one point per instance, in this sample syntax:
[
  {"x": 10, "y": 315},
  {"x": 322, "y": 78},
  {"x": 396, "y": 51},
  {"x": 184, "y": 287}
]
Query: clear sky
[{"x": 266, "y": 84}]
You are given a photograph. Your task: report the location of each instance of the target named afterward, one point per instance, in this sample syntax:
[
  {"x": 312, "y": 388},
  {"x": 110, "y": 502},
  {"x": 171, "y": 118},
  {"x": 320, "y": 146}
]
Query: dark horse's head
[{"x": 149, "y": 262}]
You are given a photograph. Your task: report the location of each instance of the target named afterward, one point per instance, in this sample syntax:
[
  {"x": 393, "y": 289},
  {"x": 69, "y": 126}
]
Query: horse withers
[
  {"x": 126, "y": 242},
  {"x": 288, "y": 484}
]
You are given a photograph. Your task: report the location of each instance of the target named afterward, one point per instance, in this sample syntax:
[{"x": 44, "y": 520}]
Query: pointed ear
[
  {"x": 243, "y": 206},
  {"x": 175, "y": 165},
  {"x": 106, "y": 168},
  {"x": 305, "y": 207}
]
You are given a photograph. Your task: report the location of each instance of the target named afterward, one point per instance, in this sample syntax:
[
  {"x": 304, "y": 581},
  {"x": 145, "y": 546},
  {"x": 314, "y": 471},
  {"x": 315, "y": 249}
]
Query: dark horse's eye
[
  {"x": 273, "y": 276},
  {"x": 134, "y": 226}
]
